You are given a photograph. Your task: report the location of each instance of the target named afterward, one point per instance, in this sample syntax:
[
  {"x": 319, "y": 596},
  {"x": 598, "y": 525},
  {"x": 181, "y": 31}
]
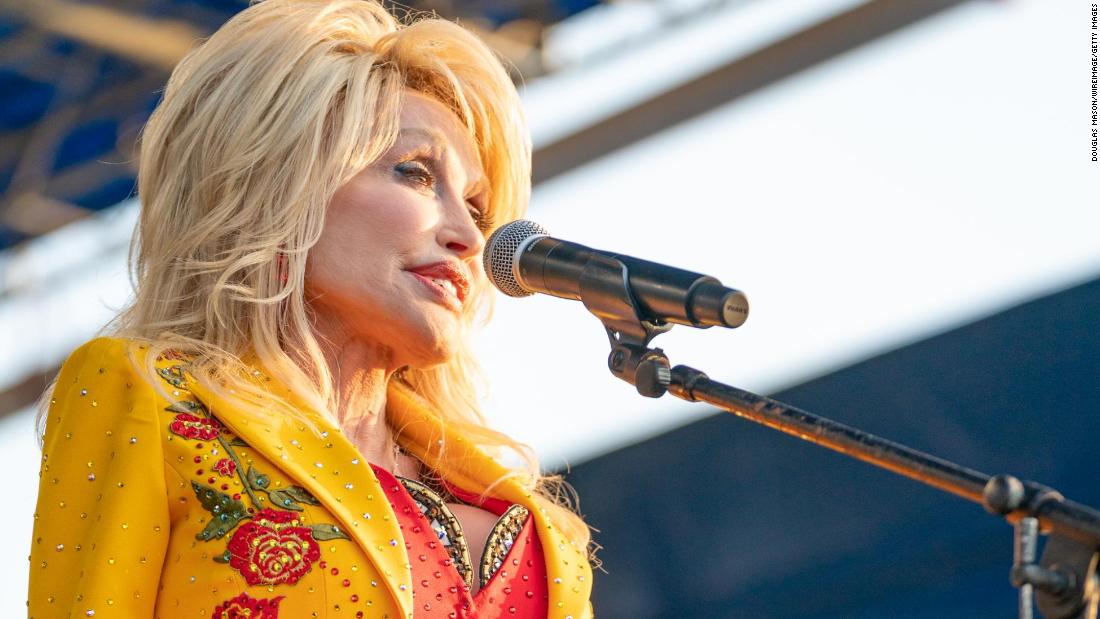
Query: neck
[
  {"x": 360, "y": 372},
  {"x": 360, "y": 376}
]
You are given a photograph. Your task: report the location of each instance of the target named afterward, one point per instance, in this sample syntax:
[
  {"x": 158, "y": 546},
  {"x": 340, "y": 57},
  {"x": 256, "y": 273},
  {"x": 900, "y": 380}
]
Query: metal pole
[{"x": 1054, "y": 513}]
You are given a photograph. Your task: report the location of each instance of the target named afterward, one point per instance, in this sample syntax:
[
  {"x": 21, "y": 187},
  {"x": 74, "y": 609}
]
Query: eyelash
[
  {"x": 419, "y": 173},
  {"x": 413, "y": 168}
]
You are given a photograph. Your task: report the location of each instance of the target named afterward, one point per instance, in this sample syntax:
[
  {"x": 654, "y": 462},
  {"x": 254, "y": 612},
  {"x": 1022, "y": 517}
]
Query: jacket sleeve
[{"x": 101, "y": 524}]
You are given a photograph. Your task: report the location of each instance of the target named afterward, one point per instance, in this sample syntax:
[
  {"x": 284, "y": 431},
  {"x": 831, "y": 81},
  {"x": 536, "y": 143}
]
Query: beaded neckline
[{"x": 449, "y": 531}]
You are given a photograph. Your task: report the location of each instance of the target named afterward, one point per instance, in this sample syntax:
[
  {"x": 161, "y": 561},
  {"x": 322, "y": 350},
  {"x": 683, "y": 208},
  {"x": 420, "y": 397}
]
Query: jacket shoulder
[
  {"x": 104, "y": 356},
  {"x": 109, "y": 383},
  {"x": 107, "y": 359}
]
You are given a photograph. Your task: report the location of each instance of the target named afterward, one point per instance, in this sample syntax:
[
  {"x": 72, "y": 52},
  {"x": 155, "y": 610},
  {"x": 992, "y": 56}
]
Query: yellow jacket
[{"x": 140, "y": 498}]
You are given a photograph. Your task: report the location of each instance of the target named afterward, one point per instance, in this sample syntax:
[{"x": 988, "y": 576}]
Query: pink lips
[{"x": 456, "y": 273}]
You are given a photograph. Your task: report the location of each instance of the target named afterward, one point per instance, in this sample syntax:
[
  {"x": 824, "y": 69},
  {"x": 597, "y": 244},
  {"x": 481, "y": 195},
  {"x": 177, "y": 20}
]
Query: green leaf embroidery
[
  {"x": 186, "y": 406},
  {"x": 226, "y": 512},
  {"x": 217, "y": 528},
  {"x": 299, "y": 493},
  {"x": 236, "y": 442},
  {"x": 174, "y": 376},
  {"x": 257, "y": 481},
  {"x": 286, "y": 498},
  {"x": 324, "y": 531},
  {"x": 281, "y": 499}
]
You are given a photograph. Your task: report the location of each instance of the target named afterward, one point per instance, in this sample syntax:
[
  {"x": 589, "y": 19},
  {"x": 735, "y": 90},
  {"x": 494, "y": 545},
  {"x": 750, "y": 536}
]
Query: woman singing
[{"x": 283, "y": 423}]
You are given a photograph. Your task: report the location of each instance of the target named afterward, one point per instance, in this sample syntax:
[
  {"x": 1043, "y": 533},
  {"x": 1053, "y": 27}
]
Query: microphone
[{"x": 521, "y": 259}]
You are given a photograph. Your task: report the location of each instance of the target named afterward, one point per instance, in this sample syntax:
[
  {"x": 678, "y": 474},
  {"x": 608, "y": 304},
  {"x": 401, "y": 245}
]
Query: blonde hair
[{"x": 257, "y": 129}]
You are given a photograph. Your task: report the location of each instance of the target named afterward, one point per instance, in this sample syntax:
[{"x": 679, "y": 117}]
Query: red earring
[{"x": 282, "y": 268}]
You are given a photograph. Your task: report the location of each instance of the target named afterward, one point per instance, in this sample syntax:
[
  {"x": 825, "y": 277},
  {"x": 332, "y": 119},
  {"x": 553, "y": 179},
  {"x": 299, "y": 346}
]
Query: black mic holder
[{"x": 1063, "y": 584}]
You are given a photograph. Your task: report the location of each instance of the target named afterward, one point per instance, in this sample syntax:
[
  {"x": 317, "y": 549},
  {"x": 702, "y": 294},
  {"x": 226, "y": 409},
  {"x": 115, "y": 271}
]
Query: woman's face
[{"x": 401, "y": 247}]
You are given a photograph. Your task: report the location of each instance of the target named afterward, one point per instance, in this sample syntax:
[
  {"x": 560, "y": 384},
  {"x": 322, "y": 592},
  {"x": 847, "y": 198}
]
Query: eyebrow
[{"x": 439, "y": 140}]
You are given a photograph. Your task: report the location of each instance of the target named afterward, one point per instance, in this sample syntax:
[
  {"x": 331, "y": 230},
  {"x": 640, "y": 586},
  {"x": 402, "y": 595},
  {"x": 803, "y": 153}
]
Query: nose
[{"x": 460, "y": 233}]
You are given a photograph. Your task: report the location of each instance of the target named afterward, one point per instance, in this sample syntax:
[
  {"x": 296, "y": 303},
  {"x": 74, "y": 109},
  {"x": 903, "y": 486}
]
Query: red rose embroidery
[
  {"x": 226, "y": 467},
  {"x": 244, "y": 607},
  {"x": 192, "y": 426},
  {"x": 273, "y": 549}
]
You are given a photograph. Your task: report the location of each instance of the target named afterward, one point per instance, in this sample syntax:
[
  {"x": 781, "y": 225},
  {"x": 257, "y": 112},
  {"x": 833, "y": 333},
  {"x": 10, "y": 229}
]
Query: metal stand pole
[
  {"x": 1025, "y": 544},
  {"x": 1064, "y": 584}
]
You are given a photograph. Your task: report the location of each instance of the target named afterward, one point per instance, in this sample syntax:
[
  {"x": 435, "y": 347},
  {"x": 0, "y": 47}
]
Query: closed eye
[
  {"x": 478, "y": 214},
  {"x": 416, "y": 172}
]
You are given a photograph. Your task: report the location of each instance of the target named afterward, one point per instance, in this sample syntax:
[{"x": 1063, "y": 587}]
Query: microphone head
[{"x": 501, "y": 256}]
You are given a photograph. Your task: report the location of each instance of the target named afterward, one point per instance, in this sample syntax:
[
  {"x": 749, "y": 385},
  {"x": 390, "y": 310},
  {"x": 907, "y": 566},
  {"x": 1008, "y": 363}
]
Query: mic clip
[{"x": 606, "y": 293}]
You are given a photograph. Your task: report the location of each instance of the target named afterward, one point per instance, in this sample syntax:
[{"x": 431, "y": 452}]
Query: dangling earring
[{"x": 282, "y": 268}]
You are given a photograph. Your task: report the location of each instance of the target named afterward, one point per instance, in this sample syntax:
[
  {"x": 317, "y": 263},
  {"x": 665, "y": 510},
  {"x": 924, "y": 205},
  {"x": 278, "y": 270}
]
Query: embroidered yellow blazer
[{"x": 181, "y": 507}]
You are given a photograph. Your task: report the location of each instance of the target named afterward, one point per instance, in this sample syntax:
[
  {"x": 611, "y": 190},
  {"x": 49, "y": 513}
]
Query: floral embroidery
[
  {"x": 226, "y": 467},
  {"x": 245, "y": 607},
  {"x": 228, "y": 512},
  {"x": 267, "y": 546},
  {"x": 273, "y": 549},
  {"x": 194, "y": 427}
]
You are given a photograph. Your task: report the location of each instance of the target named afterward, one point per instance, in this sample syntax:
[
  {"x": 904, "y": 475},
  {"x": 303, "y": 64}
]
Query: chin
[
  {"x": 430, "y": 352},
  {"x": 430, "y": 361}
]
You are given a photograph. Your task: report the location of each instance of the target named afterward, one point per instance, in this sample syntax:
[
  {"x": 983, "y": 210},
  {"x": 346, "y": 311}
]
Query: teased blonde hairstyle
[{"x": 258, "y": 128}]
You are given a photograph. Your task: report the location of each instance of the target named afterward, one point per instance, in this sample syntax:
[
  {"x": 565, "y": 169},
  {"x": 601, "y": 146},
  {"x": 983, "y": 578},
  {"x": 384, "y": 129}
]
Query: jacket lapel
[{"x": 335, "y": 473}]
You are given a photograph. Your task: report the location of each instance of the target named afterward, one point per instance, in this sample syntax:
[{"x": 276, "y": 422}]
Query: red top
[{"x": 517, "y": 590}]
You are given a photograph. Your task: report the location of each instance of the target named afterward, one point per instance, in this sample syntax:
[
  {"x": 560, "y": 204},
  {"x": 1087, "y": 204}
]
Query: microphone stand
[{"x": 1063, "y": 584}]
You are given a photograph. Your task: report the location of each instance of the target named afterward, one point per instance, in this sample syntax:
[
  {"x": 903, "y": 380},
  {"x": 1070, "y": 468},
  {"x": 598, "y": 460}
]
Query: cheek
[
  {"x": 381, "y": 207},
  {"x": 372, "y": 224}
]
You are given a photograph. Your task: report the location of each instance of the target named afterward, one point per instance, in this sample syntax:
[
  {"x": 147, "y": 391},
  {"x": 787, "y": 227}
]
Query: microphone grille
[{"x": 501, "y": 254}]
